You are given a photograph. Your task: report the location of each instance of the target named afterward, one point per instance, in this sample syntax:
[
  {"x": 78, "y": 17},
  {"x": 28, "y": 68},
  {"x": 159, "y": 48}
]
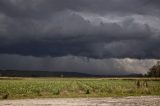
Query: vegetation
[
  {"x": 155, "y": 70},
  {"x": 16, "y": 88}
]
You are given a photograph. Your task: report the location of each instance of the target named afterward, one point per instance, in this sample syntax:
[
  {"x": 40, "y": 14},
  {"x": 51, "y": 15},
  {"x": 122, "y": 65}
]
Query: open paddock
[{"x": 22, "y": 88}]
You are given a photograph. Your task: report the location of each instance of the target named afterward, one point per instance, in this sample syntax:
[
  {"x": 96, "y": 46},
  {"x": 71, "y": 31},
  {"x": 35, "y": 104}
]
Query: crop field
[{"x": 18, "y": 88}]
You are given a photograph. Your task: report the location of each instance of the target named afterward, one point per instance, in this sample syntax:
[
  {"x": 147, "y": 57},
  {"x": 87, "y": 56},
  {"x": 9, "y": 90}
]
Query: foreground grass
[{"x": 17, "y": 88}]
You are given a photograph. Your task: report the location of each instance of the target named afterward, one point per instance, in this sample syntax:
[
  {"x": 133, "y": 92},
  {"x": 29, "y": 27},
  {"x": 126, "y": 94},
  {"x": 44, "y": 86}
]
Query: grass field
[{"x": 17, "y": 88}]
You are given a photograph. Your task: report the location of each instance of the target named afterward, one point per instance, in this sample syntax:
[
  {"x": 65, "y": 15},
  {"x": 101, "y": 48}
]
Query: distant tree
[{"x": 154, "y": 71}]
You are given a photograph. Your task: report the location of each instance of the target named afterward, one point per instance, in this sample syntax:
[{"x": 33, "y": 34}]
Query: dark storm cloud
[
  {"x": 89, "y": 28},
  {"x": 22, "y": 8},
  {"x": 38, "y": 9}
]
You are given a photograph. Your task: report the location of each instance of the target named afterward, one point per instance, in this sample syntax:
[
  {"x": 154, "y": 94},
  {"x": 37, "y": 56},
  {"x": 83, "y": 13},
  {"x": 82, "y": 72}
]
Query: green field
[{"x": 17, "y": 88}]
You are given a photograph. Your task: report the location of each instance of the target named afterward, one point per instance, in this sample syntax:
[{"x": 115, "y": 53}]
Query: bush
[
  {"x": 4, "y": 95},
  {"x": 87, "y": 91}
]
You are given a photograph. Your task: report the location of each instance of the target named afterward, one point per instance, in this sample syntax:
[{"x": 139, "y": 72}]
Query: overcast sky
[{"x": 92, "y": 36}]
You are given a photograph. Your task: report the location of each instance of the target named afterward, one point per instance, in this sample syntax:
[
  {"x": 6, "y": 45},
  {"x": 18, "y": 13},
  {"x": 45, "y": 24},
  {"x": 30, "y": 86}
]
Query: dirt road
[{"x": 125, "y": 101}]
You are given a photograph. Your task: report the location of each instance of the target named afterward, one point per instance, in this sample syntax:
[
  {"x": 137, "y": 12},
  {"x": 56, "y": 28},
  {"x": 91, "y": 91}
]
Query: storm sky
[{"x": 90, "y": 36}]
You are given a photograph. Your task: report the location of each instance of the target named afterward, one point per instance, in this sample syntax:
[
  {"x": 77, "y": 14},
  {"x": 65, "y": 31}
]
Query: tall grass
[{"x": 74, "y": 87}]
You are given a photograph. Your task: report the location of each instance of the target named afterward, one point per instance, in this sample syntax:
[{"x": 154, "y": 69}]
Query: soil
[{"x": 110, "y": 101}]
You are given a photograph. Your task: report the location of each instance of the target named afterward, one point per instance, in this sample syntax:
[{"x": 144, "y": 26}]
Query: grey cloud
[
  {"x": 76, "y": 36},
  {"x": 37, "y": 9},
  {"x": 77, "y": 64},
  {"x": 43, "y": 8},
  {"x": 54, "y": 28}
]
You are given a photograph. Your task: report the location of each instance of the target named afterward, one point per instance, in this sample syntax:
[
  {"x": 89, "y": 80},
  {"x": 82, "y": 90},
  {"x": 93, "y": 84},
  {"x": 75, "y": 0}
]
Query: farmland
[{"x": 19, "y": 88}]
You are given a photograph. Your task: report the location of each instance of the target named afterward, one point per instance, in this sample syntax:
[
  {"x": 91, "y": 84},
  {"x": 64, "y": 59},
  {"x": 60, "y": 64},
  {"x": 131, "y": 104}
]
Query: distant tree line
[{"x": 154, "y": 71}]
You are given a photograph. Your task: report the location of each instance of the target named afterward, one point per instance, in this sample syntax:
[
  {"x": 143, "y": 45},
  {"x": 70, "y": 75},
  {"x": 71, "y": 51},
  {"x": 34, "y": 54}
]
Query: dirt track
[{"x": 126, "y": 101}]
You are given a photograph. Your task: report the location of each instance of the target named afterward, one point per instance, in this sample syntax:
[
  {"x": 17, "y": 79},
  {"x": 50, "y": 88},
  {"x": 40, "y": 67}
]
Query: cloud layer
[
  {"x": 101, "y": 30},
  {"x": 77, "y": 64},
  {"x": 92, "y": 28}
]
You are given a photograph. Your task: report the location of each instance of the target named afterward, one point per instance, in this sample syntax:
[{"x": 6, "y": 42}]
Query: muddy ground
[{"x": 123, "y": 101}]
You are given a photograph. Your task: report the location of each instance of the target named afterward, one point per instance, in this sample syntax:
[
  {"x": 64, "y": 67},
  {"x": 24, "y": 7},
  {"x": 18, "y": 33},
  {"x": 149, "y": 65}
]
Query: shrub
[
  {"x": 4, "y": 95},
  {"x": 87, "y": 91}
]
